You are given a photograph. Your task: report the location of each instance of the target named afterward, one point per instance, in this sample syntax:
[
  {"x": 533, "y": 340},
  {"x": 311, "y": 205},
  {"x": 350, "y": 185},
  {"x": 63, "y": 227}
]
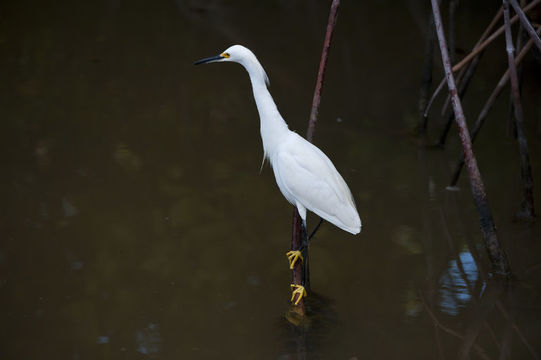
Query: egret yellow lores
[{"x": 305, "y": 175}]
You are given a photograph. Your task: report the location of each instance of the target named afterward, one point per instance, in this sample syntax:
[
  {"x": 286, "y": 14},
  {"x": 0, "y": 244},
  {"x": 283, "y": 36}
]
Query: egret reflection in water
[
  {"x": 149, "y": 340},
  {"x": 456, "y": 283}
]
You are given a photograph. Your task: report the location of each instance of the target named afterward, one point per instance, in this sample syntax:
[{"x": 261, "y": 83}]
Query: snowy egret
[{"x": 305, "y": 175}]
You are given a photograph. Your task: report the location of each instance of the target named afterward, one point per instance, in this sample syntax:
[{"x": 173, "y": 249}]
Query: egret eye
[{"x": 225, "y": 55}]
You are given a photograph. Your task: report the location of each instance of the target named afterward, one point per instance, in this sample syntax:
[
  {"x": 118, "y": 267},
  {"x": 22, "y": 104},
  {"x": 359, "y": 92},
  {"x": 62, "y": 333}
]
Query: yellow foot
[
  {"x": 299, "y": 291},
  {"x": 293, "y": 256}
]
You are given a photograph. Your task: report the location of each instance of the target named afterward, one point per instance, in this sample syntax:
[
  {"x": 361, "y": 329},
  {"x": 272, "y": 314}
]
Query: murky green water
[{"x": 136, "y": 224}]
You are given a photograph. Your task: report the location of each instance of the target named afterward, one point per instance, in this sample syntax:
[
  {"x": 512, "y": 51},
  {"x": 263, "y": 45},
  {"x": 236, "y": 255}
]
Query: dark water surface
[{"x": 135, "y": 223}]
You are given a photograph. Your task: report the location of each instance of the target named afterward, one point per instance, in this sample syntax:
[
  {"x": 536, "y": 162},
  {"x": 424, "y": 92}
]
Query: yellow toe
[
  {"x": 293, "y": 256},
  {"x": 299, "y": 291}
]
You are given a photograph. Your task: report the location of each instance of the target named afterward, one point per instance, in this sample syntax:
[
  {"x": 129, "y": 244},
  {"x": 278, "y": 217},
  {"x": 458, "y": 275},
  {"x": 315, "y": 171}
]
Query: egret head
[
  {"x": 235, "y": 53},
  {"x": 241, "y": 55}
]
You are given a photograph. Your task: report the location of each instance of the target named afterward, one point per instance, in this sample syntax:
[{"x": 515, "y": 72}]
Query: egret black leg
[
  {"x": 302, "y": 255},
  {"x": 316, "y": 228},
  {"x": 304, "y": 251}
]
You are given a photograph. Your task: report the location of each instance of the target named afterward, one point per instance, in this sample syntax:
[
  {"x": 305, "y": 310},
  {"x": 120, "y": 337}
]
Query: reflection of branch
[
  {"x": 517, "y": 329},
  {"x": 468, "y": 238},
  {"x": 463, "y": 275},
  {"x": 533, "y": 268},
  {"x": 438, "y": 341},
  {"x": 480, "y": 351},
  {"x": 505, "y": 348},
  {"x": 492, "y": 334}
]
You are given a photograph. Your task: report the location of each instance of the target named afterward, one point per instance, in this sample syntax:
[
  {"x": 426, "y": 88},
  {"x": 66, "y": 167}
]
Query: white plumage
[{"x": 305, "y": 175}]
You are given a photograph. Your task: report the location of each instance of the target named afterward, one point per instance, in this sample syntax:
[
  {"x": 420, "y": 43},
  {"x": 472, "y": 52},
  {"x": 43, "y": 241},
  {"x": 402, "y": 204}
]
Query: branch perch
[{"x": 296, "y": 233}]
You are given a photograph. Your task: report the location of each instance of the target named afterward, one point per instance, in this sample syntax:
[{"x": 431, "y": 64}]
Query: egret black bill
[{"x": 209, "y": 59}]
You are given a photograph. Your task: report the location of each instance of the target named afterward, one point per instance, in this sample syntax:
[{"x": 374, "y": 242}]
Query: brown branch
[
  {"x": 497, "y": 33},
  {"x": 321, "y": 72},
  {"x": 497, "y": 256},
  {"x": 434, "y": 95},
  {"x": 510, "y": 118},
  {"x": 527, "y": 208},
  {"x": 488, "y": 105},
  {"x": 480, "y": 46},
  {"x": 470, "y": 68},
  {"x": 462, "y": 75}
]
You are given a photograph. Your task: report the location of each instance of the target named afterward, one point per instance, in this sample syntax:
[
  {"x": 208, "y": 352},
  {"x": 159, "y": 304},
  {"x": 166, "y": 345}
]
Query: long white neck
[{"x": 273, "y": 126}]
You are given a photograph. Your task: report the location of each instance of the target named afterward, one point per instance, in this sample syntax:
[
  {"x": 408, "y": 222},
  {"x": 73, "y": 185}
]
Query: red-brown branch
[
  {"x": 297, "y": 226},
  {"x": 321, "y": 72}
]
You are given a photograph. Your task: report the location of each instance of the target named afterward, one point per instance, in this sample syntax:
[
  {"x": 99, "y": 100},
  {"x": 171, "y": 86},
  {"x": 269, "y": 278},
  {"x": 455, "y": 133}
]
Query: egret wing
[{"x": 306, "y": 175}]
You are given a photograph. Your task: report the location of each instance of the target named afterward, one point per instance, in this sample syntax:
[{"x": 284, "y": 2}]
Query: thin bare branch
[
  {"x": 526, "y": 23},
  {"x": 321, "y": 72},
  {"x": 434, "y": 95},
  {"x": 497, "y": 256},
  {"x": 527, "y": 206},
  {"x": 479, "y": 48},
  {"x": 463, "y": 74},
  {"x": 470, "y": 68},
  {"x": 497, "y": 33},
  {"x": 488, "y": 105}
]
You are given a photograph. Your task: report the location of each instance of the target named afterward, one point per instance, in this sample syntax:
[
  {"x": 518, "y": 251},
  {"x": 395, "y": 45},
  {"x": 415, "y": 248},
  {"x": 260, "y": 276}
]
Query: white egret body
[{"x": 305, "y": 175}]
